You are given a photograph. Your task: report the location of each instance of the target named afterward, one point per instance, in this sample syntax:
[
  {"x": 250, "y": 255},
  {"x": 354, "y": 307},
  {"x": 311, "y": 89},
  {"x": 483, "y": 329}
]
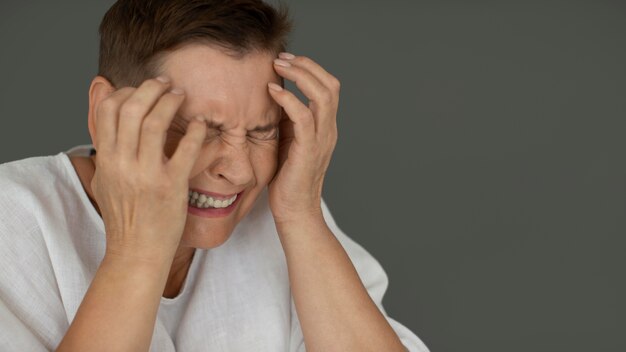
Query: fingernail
[
  {"x": 200, "y": 118},
  {"x": 274, "y": 86},
  {"x": 177, "y": 91},
  {"x": 280, "y": 62},
  {"x": 163, "y": 79},
  {"x": 287, "y": 56}
]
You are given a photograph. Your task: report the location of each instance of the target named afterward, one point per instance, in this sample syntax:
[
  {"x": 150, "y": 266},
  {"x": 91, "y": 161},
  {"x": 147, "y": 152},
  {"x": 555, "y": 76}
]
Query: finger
[
  {"x": 133, "y": 112},
  {"x": 285, "y": 126},
  {"x": 286, "y": 134},
  {"x": 305, "y": 81},
  {"x": 188, "y": 149},
  {"x": 154, "y": 128},
  {"x": 106, "y": 119},
  {"x": 301, "y": 116},
  {"x": 316, "y": 69},
  {"x": 321, "y": 99}
]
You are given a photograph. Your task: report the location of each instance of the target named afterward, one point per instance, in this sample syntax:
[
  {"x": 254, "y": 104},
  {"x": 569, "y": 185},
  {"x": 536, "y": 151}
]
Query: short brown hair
[{"x": 136, "y": 35}]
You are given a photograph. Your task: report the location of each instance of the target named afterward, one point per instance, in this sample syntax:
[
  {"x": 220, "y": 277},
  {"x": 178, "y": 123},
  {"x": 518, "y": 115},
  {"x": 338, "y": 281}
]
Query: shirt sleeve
[{"x": 375, "y": 281}]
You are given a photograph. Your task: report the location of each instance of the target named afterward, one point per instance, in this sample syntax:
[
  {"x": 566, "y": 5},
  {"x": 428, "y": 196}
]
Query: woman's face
[{"x": 231, "y": 92}]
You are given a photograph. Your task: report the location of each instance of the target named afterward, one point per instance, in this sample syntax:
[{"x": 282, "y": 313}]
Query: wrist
[
  {"x": 138, "y": 258},
  {"x": 150, "y": 275},
  {"x": 297, "y": 220},
  {"x": 140, "y": 246}
]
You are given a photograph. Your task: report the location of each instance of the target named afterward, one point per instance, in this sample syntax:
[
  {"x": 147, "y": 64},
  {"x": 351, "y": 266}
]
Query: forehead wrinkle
[
  {"x": 217, "y": 108},
  {"x": 219, "y": 84},
  {"x": 241, "y": 103},
  {"x": 213, "y": 123}
]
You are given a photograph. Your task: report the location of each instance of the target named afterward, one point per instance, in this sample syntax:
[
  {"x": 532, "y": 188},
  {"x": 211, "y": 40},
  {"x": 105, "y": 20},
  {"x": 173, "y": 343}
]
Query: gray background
[{"x": 491, "y": 130}]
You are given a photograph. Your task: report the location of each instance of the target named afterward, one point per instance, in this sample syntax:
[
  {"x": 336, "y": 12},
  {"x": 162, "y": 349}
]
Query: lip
[
  {"x": 214, "y": 213},
  {"x": 215, "y": 195}
]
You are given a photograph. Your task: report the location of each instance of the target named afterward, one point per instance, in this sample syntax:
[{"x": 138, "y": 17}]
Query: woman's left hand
[{"x": 308, "y": 136}]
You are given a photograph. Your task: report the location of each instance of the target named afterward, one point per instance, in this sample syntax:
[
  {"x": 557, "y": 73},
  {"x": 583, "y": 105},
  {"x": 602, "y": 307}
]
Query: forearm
[
  {"x": 118, "y": 312},
  {"x": 335, "y": 310}
]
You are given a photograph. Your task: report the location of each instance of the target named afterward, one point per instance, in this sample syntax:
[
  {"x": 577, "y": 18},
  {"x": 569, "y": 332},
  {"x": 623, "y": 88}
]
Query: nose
[{"x": 232, "y": 164}]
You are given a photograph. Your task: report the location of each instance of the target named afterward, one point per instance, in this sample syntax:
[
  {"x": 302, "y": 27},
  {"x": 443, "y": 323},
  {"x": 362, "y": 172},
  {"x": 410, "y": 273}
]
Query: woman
[{"x": 196, "y": 222}]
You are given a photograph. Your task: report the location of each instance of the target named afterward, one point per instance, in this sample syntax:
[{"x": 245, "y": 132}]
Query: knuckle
[
  {"x": 307, "y": 117},
  {"x": 153, "y": 83},
  {"x": 332, "y": 145},
  {"x": 152, "y": 126},
  {"x": 303, "y": 59},
  {"x": 335, "y": 84},
  {"x": 333, "y": 130},
  {"x": 326, "y": 96},
  {"x": 107, "y": 106},
  {"x": 146, "y": 180},
  {"x": 332, "y": 133},
  {"x": 131, "y": 108},
  {"x": 172, "y": 99},
  {"x": 126, "y": 90}
]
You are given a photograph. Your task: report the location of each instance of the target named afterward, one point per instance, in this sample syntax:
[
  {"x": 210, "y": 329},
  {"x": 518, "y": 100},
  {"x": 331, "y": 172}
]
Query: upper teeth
[{"x": 203, "y": 201}]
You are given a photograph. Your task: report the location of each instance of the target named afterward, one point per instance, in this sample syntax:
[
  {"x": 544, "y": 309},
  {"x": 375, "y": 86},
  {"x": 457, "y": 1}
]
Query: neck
[{"x": 178, "y": 271}]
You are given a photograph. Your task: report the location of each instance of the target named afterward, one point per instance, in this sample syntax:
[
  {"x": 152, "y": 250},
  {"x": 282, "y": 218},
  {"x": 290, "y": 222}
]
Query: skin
[
  {"x": 235, "y": 93},
  {"x": 141, "y": 190}
]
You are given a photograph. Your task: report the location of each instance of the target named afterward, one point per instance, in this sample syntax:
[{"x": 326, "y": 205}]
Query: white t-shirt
[{"x": 236, "y": 297}]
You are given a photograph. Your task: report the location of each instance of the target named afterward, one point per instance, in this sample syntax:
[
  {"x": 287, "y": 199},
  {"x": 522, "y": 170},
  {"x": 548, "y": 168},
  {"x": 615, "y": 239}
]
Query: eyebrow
[
  {"x": 262, "y": 128},
  {"x": 212, "y": 124}
]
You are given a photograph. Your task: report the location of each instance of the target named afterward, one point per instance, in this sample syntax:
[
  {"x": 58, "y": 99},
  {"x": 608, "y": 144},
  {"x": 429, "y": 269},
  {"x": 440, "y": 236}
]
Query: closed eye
[
  {"x": 269, "y": 135},
  {"x": 266, "y": 132},
  {"x": 212, "y": 133}
]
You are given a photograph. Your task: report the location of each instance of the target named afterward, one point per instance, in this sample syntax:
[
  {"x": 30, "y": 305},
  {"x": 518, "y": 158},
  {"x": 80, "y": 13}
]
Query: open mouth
[
  {"x": 203, "y": 201},
  {"x": 206, "y": 206}
]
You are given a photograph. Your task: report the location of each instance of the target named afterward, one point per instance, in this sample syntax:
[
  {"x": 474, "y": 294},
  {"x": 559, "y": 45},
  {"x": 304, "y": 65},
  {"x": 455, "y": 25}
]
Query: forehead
[{"x": 217, "y": 84}]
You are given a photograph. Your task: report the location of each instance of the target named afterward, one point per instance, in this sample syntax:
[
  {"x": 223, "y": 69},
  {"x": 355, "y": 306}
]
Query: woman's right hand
[{"x": 142, "y": 194}]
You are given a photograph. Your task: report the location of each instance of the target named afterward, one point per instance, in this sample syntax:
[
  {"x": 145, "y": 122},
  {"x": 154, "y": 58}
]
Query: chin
[
  {"x": 204, "y": 240},
  {"x": 205, "y": 236}
]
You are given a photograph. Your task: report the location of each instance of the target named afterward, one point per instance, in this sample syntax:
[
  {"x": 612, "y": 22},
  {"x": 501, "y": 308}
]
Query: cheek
[
  {"x": 264, "y": 161},
  {"x": 263, "y": 157}
]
